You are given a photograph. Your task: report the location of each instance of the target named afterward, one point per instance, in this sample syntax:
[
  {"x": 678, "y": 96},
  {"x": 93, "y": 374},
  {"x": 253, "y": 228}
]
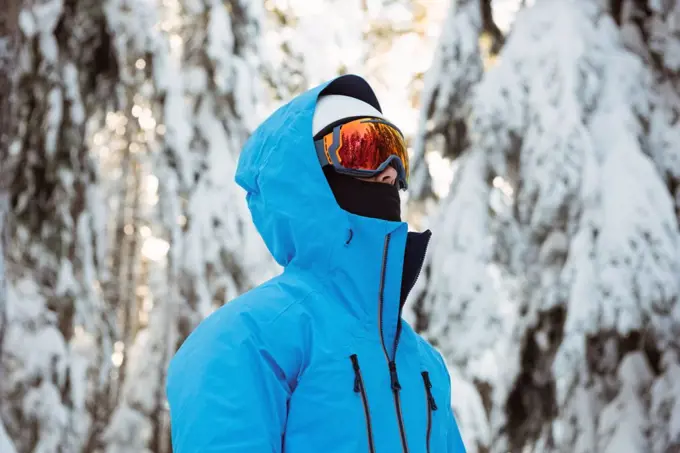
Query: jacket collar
[
  {"x": 414, "y": 257},
  {"x": 372, "y": 271}
]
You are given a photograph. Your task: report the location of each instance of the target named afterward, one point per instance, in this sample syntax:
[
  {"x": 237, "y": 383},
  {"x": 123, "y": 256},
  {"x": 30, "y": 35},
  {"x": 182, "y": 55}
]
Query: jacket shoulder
[
  {"x": 263, "y": 313},
  {"x": 266, "y": 304},
  {"x": 265, "y": 320}
]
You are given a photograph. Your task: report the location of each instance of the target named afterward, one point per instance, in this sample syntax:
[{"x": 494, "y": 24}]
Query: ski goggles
[{"x": 364, "y": 148}]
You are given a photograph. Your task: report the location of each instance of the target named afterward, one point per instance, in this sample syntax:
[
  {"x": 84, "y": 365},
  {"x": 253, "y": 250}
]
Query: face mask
[{"x": 365, "y": 198}]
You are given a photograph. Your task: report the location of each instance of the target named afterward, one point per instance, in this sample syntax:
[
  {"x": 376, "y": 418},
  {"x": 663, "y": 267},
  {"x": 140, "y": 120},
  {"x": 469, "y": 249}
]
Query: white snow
[
  {"x": 470, "y": 414},
  {"x": 585, "y": 223},
  {"x": 198, "y": 245},
  {"x": 55, "y": 103},
  {"x": 455, "y": 68},
  {"x": 6, "y": 445},
  {"x": 665, "y": 404}
]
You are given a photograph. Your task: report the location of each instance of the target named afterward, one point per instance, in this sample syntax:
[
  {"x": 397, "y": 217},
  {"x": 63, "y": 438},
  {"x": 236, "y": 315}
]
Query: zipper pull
[
  {"x": 393, "y": 376},
  {"x": 426, "y": 378},
  {"x": 433, "y": 403},
  {"x": 428, "y": 389},
  {"x": 357, "y": 373}
]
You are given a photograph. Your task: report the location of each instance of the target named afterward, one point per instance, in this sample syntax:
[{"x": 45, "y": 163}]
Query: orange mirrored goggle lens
[{"x": 365, "y": 147}]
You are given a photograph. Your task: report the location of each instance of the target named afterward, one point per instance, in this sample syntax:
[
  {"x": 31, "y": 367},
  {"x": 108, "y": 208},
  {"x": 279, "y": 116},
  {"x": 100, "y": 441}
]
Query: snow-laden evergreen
[
  {"x": 125, "y": 227},
  {"x": 554, "y": 285},
  {"x": 655, "y": 34},
  {"x": 53, "y": 339},
  {"x": 195, "y": 94},
  {"x": 309, "y": 42},
  {"x": 6, "y": 444},
  {"x": 8, "y": 63},
  {"x": 445, "y": 100}
]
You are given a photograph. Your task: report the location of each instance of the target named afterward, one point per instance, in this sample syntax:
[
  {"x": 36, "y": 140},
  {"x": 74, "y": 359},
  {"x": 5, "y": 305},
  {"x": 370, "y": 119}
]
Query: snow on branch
[{"x": 456, "y": 68}]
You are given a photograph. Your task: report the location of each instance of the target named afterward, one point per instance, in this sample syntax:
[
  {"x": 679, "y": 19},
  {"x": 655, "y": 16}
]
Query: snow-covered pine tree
[
  {"x": 566, "y": 318},
  {"x": 445, "y": 99},
  {"x": 208, "y": 113},
  {"x": 6, "y": 444},
  {"x": 652, "y": 31},
  {"x": 123, "y": 143},
  {"x": 448, "y": 304},
  {"x": 194, "y": 93},
  {"x": 306, "y": 43},
  {"x": 53, "y": 343},
  {"x": 8, "y": 58},
  {"x": 400, "y": 37},
  {"x": 9, "y": 31},
  {"x": 286, "y": 74}
]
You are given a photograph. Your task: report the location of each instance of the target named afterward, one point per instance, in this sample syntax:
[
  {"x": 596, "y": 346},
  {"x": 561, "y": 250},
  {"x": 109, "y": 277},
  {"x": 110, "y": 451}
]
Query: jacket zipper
[
  {"x": 431, "y": 406},
  {"x": 392, "y": 365},
  {"x": 359, "y": 388}
]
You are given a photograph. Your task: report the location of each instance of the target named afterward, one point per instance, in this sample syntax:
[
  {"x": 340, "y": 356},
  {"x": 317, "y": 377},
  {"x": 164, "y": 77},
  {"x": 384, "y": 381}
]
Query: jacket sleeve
[
  {"x": 454, "y": 439},
  {"x": 226, "y": 391}
]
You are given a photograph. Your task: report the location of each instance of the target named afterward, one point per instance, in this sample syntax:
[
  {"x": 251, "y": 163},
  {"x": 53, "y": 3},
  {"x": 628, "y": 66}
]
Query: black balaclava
[{"x": 364, "y": 198}]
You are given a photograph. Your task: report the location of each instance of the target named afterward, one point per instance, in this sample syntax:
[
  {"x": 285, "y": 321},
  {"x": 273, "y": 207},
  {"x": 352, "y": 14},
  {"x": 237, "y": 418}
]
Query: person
[{"x": 319, "y": 358}]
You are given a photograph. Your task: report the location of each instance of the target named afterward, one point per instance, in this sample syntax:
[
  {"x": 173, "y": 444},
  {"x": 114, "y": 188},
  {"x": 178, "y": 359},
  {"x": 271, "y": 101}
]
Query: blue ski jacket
[{"x": 318, "y": 359}]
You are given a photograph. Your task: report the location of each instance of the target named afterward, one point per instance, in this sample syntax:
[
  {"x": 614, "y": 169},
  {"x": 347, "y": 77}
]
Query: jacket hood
[{"x": 291, "y": 203}]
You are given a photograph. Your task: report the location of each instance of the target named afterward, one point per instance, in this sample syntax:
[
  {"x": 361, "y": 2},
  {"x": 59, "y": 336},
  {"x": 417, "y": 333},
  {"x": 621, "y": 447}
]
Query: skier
[{"x": 319, "y": 359}]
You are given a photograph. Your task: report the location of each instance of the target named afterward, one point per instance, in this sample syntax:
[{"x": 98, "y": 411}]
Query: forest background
[{"x": 545, "y": 145}]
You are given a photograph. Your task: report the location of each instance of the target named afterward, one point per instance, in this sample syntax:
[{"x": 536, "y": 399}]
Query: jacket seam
[{"x": 296, "y": 302}]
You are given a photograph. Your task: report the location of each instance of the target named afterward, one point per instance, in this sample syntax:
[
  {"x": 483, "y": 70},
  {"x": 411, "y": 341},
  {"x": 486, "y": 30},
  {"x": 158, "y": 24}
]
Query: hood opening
[{"x": 291, "y": 203}]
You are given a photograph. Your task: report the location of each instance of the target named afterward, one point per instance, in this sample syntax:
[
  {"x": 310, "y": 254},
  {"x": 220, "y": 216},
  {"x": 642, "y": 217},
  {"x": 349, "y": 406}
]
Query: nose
[{"x": 388, "y": 176}]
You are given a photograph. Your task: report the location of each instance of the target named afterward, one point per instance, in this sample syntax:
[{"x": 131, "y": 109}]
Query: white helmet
[{"x": 334, "y": 107}]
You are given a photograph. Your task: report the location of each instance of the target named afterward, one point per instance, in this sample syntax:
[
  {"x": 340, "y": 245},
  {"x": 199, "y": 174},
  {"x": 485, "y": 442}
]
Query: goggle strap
[
  {"x": 333, "y": 149},
  {"x": 320, "y": 152},
  {"x": 332, "y": 156}
]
